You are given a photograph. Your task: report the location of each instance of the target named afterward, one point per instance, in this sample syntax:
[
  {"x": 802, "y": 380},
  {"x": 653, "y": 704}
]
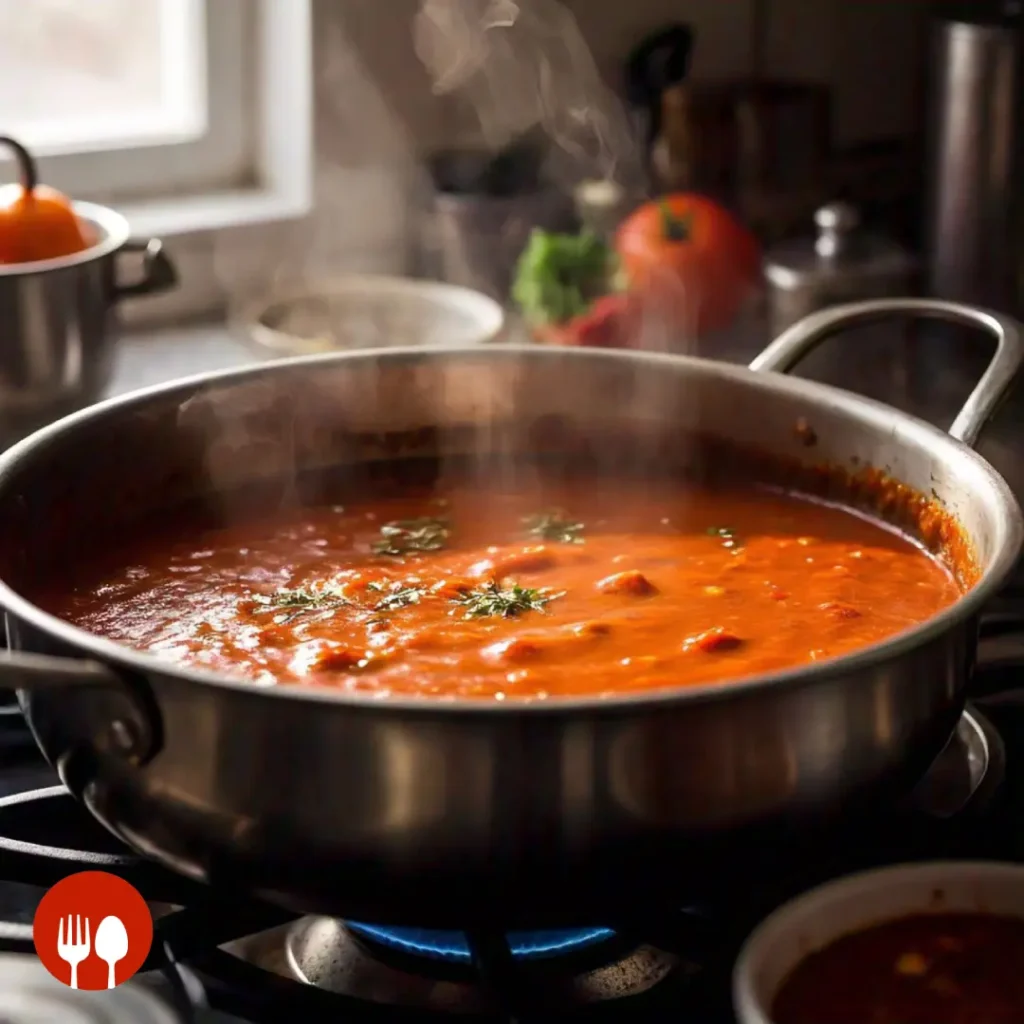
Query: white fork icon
[{"x": 73, "y": 946}]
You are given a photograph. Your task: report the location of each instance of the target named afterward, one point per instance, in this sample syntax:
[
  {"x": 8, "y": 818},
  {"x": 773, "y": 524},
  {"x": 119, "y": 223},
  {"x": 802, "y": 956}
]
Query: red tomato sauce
[
  {"x": 924, "y": 969},
  {"x": 557, "y": 589}
]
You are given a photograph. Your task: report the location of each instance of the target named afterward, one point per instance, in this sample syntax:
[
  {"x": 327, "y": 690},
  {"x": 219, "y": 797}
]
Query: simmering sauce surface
[
  {"x": 924, "y": 969},
  {"x": 556, "y": 590}
]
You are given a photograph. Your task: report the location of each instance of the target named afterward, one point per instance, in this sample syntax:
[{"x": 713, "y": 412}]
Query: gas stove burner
[
  {"x": 353, "y": 960},
  {"x": 453, "y": 947},
  {"x": 259, "y": 963},
  {"x": 29, "y": 994}
]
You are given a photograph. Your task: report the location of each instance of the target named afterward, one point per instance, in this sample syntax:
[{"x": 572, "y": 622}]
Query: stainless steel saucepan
[
  {"x": 60, "y": 318},
  {"x": 561, "y": 812},
  {"x": 59, "y": 315}
]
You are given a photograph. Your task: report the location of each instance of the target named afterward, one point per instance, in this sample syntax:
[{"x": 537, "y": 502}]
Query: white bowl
[
  {"x": 370, "y": 311},
  {"x": 819, "y": 917}
]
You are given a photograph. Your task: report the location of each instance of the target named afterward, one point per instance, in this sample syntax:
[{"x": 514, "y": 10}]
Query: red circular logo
[{"x": 92, "y": 930}]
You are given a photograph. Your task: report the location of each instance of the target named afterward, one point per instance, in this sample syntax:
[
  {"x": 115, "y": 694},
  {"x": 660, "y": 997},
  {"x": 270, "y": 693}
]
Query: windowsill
[
  {"x": 215, "y": 211},
  {"x": 280, "y": 167}
]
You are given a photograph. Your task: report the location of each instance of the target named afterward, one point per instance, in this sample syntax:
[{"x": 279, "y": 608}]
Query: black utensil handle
[{"x": 660, "y": 61}]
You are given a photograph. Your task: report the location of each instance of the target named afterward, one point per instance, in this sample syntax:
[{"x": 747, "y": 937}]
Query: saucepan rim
[{"x": 1006, "y": 540}]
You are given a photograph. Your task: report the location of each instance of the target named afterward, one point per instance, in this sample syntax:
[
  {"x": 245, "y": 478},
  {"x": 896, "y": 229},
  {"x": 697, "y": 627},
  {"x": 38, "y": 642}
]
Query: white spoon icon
[{"x": 111, "y": 944}]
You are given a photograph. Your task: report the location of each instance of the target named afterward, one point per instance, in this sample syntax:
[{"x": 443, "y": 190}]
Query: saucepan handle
[
  {"x": 130, "y": 729},
  {"x": 802, "y": 338},
  {"x": 158, "y": 273}
]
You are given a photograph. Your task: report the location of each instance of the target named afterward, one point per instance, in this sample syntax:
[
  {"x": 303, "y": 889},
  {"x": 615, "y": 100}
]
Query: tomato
[
  {"x": 690, "y": 260},
  {"x": 36, "y": 222}
]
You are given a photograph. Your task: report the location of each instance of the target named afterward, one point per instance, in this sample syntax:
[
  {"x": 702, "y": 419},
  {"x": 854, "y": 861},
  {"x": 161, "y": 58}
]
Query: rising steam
[
  {"x": 523, "y": 66},
  {"x": 524, "y": 69}
]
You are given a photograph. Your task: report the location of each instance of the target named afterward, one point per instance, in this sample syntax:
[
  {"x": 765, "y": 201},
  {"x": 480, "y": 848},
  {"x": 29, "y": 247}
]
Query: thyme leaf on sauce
[
  {"x": 396, "y": 596},
  {"x": 491, "y": 600},
  {"x": 405, "y": 536},
  {"x": 554, "y": 525},
  {"x": 727, "y": 536},
  {"x": 296, "y": 601}
]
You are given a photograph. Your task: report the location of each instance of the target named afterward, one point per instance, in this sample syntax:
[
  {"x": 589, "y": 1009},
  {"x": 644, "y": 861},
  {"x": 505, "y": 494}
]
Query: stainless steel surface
[
  {"x": 560, "y": 812},
  {"x": 835, "y": 222},
  {"x": 29, "y": 994},
  {"x": 976, "y": 135},
  {"x": 842, "y": 263},
  {"x": 60, "y": 319},
  {"x": 990, "y": 392}
]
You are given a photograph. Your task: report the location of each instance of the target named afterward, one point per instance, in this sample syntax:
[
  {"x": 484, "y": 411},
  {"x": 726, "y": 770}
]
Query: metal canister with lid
[{"x": 844, "y": 263}]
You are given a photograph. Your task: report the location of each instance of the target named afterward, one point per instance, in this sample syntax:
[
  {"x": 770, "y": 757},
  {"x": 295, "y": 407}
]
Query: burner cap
[{"x": 29, "y": 994}]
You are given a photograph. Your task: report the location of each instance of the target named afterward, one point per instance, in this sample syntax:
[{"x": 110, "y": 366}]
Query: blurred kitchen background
[
  {"x": 278, "y": 147},
  {"x": 851, "y": 125},
  {"x": 856, "y": 118}
]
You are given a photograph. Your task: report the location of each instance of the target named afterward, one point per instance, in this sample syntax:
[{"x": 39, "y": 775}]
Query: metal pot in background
[
  {"x": 484, "y": 207},
  {"x": 59, "y": 320},
  {"x": 974, "y": 212}
]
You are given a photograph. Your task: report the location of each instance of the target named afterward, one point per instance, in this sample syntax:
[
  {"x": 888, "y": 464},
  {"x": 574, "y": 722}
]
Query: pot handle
[
  {"x": 158, "y": 272},
  {"x": 799, "y": 340},
  {"x": 131, "y": 729}
]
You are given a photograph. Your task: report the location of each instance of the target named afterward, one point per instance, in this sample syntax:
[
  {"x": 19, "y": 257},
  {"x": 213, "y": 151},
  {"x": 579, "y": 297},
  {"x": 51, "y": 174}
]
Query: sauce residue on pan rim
[{"x": 573, "y": 586}]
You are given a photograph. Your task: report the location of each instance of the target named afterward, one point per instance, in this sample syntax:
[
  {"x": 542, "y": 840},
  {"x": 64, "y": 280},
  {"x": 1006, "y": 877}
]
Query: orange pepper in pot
[{"x": 36, "y": 222}]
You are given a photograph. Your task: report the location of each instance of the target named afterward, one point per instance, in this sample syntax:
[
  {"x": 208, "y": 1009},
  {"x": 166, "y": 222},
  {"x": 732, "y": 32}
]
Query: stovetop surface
[{"x": 218, "y": 962}]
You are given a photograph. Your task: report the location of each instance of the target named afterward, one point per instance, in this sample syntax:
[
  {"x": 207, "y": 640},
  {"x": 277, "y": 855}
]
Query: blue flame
[{"x": 454, "y": 948}]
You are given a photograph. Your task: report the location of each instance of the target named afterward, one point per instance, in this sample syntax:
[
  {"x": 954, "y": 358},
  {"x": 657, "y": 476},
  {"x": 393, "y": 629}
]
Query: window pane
[{"x": 98, "y": 73}]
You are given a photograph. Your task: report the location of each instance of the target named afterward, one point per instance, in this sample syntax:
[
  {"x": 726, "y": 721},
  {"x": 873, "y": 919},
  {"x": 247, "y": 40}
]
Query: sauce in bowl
[{"x": 931, "y": 968}]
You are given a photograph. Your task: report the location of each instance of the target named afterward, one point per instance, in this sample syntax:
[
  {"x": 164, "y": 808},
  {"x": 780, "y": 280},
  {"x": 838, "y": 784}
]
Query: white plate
[{"x": 358, "y": 311}]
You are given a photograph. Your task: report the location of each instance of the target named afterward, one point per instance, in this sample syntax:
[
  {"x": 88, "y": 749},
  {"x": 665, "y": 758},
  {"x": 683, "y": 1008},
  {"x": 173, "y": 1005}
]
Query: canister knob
[{"x": 836, "y": 223}]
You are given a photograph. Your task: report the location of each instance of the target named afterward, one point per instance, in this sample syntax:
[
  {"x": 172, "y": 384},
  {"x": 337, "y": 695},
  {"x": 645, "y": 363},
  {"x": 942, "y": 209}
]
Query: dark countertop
[{"x": 143, "y": 360}]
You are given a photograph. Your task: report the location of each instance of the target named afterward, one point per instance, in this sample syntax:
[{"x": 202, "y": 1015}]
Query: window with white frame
[{"x": 187, "y": 113}]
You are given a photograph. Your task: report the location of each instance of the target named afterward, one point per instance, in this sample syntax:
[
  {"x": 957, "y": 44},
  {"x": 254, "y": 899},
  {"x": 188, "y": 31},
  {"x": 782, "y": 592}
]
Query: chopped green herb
[
  {"x": 555, "y": 526},
  {"x": 492, "y": 600},
  {"x": 727, "y": 536},
  {"x": 405, "y": 536},
  {"x": 301, "y": 600},
  {"x": 396, "y": 596}
]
